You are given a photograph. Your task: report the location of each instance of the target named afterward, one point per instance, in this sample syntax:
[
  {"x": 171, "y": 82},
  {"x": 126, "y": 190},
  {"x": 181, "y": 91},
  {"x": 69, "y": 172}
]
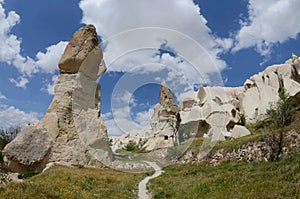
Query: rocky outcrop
[
  {"x": 165, "y": 121},
  {"x": 82, "y": 52},
  {"x": 138, "y": 136},
  {"x": 72, "y": 131},
  {"x": 260, "y": 150},
  {"x": 222, "y": 108}
]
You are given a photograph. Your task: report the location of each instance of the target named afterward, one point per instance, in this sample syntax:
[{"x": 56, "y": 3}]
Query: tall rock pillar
[{"x": 72, "y": 131}]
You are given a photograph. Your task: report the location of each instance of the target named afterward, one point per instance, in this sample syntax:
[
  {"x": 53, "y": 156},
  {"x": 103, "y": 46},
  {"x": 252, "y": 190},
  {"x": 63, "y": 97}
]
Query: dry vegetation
[{"x": 62, "y": 182}]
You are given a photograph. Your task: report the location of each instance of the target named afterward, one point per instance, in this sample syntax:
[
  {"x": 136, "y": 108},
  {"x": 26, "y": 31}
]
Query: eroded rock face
[
  {"x": 72, "y": 131},
  {"x": 82, "y": 52},
  {"x": 165, "y": 121},
  {"x": 221, "y": 108}
]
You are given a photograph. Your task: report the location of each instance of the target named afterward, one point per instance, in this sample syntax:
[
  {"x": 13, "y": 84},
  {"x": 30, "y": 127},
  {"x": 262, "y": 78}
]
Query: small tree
[
  {"x": 131, "y": 146},
  {"x": 242, "y": 120},
  {"x": 279, "y": 115}
]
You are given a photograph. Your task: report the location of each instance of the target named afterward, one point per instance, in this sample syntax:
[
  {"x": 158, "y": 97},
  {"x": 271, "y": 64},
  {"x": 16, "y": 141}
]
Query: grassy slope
[
  {"x": 231, "y": 180},
  {"x": 62, "y": 182}
]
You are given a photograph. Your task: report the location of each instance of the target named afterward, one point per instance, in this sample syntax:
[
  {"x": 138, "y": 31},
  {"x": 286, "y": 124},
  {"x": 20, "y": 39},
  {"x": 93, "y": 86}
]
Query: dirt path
[{"x": 143, "y": 193}]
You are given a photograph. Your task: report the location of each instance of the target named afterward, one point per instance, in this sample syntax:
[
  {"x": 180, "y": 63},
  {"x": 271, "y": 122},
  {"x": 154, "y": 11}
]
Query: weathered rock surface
[
  {"x": 72, "y": 131},
  {"x": 260, "y": 150},
  {"x": 137, "y": 136},
  {"x": 82, "y": 52},
  {"x": 165, "y": 121},
  {"x": 240, "y": 131},
  {"x": 221, "y": 107}
]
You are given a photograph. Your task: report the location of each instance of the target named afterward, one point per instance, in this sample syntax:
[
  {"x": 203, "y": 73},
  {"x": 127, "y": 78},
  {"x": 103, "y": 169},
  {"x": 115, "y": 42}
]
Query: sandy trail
[{"x": 143, "y": 193}]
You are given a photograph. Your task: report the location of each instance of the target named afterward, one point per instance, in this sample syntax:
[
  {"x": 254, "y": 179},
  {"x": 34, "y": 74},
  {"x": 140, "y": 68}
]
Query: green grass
[
  {"x": 230, "y": 180},
  {"x": 62, "y": 182}
]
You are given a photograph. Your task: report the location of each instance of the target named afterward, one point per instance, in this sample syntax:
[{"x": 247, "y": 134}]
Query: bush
[
  {"x": 131, "y": 146},
  {"x": 280, "y": 115},
  {"x": 242, "y": 120},
  {"x": 27, "y": 175}
]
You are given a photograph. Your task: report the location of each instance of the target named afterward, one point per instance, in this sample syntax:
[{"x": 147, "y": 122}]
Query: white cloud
[
  {"x": 12, "y": 117},
  {"x": 10, "y": 51},
  {"x": 21, "y": 82},
  {"x": 10, "y": 45},
  {"x": 49, "y": 86},
  {"x": 143, "y": 118},
  {"x": 44, "y": 63},
  {"x": 48, "y": 61},
  {"x": 133, "y": 33},
  {"x": 2, "y": 96},
  {"x": 140, "y": 25},
  {"x": 122, "y": 119},
  {"x": 270, "y": 22},
  {"x": 106, "y": 116},
  {"x": 125, "y": 98}
]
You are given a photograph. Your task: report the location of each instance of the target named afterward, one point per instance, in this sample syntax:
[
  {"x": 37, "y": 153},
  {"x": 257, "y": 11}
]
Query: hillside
[
  {"x": 230, "y": 180},
  {"x": 238, "y": 179},
  {"x": 257, "y": 123},
  {"x": 64, "y": 182},
  {"x": 233, "y": 178}
]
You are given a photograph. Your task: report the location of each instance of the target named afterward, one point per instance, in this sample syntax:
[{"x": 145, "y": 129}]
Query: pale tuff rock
[
  {"x": 221, "y": 107},
  {"x": 137, "y": 136},
  {"x": 165, "y": 121},
  {"x": 240, "y": 131},
  {"x": 82, "y": 52},
  {"x": 72, "y": 131}
]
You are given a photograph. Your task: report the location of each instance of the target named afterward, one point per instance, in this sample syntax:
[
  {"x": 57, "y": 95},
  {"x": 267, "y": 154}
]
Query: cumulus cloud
[
  {"x": 10, "y": 51},
  {"x": 10, "y": 44},
  {"x": 270, "y": 22},
  {"x": 122, "y": 118},
  {"x": 12, "y": 117},
  {"x": 142, "y": 37},
  {"x": 141, "y": 24},
  {"x": 47, "y": 62},
  {"x": 21, "y": 82}
]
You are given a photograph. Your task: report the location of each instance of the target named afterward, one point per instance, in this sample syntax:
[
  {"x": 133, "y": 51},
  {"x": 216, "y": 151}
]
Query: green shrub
[
  {"x": 280, "y": 115},
  {"x": 281, "y": 112},
  {"x": 242, "y": 120},
  {"x": 27, "y": 175},
  {"x": 131, "y": 146}
]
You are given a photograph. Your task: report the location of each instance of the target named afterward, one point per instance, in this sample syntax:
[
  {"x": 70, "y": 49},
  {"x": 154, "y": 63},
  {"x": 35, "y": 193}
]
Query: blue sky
[{"x": 183, "y": 42}]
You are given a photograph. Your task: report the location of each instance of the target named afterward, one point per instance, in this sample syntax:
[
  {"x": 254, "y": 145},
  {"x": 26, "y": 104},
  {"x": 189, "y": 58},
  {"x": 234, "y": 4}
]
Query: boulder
[
  {"x": 82, "y": 52},
  {"x": 72, "y": 131},
  {"x": 239, "y": 131}
]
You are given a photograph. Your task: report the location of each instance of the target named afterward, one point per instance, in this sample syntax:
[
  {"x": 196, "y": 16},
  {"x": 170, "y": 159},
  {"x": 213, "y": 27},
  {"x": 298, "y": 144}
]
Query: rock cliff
[
  {"x": 165, "y": 121},
  {"x": 72, "y": 131},
  {"x": 217, "y": 111}
]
